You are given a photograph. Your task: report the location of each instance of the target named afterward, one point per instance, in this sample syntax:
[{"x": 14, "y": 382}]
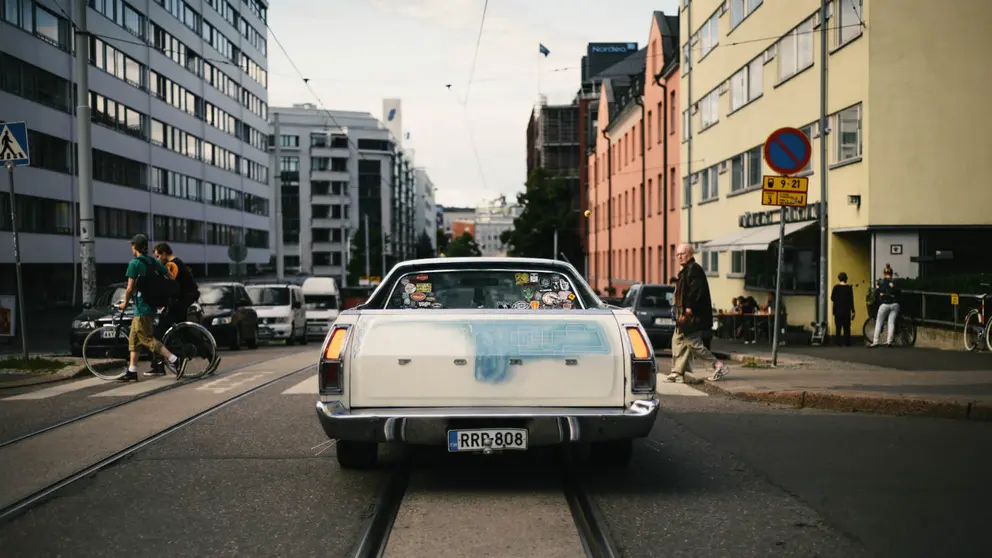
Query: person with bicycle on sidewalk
[
  {"x": 887, "y": 294},
  {"x": 145, "y": 277},
  {"x": 177, "y": 309}
]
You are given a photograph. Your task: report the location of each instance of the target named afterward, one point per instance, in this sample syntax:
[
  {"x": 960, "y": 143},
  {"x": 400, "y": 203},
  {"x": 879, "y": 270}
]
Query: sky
[{"x": 470, "y": 138}]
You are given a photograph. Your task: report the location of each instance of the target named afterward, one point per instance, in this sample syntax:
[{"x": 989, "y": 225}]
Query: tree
[
  {"x": 356, "y": 265},
  {"x": 547, "y": 206},
  {"x": 463, "y": 246},
  {"x": 424, "y": 247},
  {"x": 442, "y": 240}
]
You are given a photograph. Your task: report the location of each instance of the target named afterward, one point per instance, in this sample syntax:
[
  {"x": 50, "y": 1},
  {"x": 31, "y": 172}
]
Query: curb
[
  {"x": 66, "y": 373},
  {"x": 855, "y": 403}
]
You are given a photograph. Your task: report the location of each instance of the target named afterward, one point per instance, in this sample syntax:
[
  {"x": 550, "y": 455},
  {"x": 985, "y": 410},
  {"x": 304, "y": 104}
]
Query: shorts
[{"x": 143, "y": 334}]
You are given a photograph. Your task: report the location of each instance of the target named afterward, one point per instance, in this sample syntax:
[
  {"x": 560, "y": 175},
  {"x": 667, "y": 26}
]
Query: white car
[{"x": 486, "y": 355}]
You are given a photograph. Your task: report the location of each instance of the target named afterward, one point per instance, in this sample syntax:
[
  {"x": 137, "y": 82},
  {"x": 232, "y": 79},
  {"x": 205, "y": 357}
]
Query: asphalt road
[
  {"x": 20, "y": 415},
  {"x": 717, "y": 478}
]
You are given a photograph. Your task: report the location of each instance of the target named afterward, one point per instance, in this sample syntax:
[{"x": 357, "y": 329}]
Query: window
[
  {"x": 504, "y": 290},
  {"x": 795, "y": 50},
  {"x": 686, "y": 192},
  {"x": 709, "y": 261},
  {"x": 740, "y": 9},
  {"x": 289, "y": 141},
  {"x": 710, "y": 183},
  {"x": 686, "y": 59},
  {"x": 745, "y": 170},
  {"x": 808, "y": 130},
  {"x": 848, "y": 144},
  {"x": 671, "y": 198},
  {"x": 849, "y": 20},
  {"x": 737, "y": 262},
  {"x": 746, "y": 85},
  {"x": 709, "y": 34},
  {"x": 709, "y": 109},
  {"x": 685, "y": 125},
  {"x": 34, "y": 84}
]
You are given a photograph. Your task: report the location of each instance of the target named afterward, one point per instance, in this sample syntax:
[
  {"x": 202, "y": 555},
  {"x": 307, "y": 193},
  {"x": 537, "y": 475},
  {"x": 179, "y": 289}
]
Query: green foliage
[
  {"x": 442, "y": 240},
  {"x": 462, "y": 247},
  {"x": 356, "y": 265},
  {"x": 547, "y": 205},
  {"x": 424, "y": 247}
]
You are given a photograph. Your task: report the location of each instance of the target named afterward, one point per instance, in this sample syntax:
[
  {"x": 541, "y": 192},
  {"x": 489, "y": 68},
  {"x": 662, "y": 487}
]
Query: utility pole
[
  {"x": 821, "y": 310},
  {"x": 687, "y": 192},
  {"x": 368, "y": 263},
  {"x": 84, "y": 152},
  {"x": 277, "y": 188}
]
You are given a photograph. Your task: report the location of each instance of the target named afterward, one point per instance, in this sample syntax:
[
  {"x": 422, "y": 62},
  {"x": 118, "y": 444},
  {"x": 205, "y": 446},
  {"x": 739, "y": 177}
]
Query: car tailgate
[{"x": 468, "y": 358}]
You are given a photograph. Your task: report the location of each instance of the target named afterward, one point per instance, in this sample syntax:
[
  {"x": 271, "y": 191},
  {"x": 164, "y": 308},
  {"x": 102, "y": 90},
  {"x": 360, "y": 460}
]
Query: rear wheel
[
  {"x": 357, "y": 455},
  {"x": 905, "y": 332},
  {"x": 868, "y": 331},
  {"x": 614, "y": 454},
  {"x": 193, "y": 343},
  {"x": 972, "y": 331},
  {"x": 105, "y": 352}
]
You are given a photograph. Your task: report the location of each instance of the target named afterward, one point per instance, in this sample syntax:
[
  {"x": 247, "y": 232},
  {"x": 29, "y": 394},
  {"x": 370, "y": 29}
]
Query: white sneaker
[{"x": 721, "y": 371}]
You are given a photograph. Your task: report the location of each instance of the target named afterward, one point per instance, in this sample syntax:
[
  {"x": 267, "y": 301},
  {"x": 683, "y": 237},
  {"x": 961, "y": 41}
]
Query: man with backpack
[
  {"x": 177, "y": 308},
  {"x": 148, "y": 281}
]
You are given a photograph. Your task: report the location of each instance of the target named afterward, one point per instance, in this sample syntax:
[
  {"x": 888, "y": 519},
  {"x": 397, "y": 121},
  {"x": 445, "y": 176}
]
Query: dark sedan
[
  {"x": 652, "y": 304},
  {"x": 229, "y": 315}
]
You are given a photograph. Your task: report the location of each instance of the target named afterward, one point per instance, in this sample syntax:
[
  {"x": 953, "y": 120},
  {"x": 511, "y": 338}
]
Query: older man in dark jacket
[{"x": 694, "y": 315}]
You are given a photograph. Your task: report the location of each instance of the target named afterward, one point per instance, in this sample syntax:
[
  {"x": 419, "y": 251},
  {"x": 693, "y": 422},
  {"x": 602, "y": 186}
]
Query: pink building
[{"x": 633, "y": 169}]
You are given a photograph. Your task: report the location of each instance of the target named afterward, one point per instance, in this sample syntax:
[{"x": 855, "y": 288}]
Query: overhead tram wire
[{"x": 475, "y": 57}]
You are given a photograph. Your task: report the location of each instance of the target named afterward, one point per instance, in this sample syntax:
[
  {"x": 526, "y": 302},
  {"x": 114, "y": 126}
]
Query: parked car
[
  {"x": 322, "y": 302},
  {"x": 486, "y": 355},
  {"x": 281, "y": 315},
  {"x": 102, "y": 312},
  {"x": 654, "y": 306},
  {"x": 229, "y": 315}
]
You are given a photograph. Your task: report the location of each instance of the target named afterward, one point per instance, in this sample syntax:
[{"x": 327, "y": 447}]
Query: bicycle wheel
[
  {"x": 868, "y": 331},
  {"x": 972, "y": 331},
  {"x": 194, "y": 343},
  {"x": 905, "y": 331},
  {"x": 988, "y": 337},
  {"x": 105, "y": 352}
]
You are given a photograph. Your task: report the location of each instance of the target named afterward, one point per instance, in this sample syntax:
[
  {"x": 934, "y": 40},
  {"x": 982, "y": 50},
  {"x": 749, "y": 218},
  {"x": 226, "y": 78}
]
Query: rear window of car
[
  {"x": 488, "y": 289},
  {"x": 657, "y": 297}
]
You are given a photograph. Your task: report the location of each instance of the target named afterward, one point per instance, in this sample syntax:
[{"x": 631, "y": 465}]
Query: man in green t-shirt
[{"x": 143, "y": 324}]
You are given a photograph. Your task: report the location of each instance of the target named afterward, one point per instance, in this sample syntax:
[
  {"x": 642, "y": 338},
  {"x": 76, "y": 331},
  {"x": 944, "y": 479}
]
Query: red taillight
[
  {"x": 329, "y": 371},
  {"x": 643, "y": 368}
]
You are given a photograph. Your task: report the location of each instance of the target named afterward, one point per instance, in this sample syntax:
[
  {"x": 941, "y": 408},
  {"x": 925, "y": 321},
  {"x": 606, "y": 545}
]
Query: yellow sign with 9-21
[{"x": 784, "y": 191}]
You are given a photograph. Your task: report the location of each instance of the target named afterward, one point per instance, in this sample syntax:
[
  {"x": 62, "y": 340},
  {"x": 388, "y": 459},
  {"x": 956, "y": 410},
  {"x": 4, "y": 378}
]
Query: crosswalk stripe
[
  {"x": 57, "y": 390},
  {"x": 136, "y": 388},
  {"x": 669, "y": 388},
  {"x": 306, "y": 387}
]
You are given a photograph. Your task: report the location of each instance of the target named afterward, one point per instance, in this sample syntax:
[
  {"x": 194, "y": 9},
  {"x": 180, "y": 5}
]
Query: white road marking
[
  {"x": 59, "y": 389},
  {"x": 670, "y": 388},
  {"x": 227, "y": 383},
  {"x": 306, "y": 387},
  {"x": 137, "y": 388}
]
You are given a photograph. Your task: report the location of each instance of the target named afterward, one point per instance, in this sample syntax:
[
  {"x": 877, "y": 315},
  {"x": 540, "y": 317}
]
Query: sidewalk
[{"x": 844, "y": 379}]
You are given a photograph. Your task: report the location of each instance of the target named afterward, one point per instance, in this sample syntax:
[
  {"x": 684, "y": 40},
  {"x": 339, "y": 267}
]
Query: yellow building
[{"x": 905, "y": 132}]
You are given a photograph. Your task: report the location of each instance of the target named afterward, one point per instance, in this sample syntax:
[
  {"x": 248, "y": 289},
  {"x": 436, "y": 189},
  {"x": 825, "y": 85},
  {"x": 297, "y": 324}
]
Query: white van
[
  {"x": 280, "y": 312},
  {"x": 323, "y": 304}
]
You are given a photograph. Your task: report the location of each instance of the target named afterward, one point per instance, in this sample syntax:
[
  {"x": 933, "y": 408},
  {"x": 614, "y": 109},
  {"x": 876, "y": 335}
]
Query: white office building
[
  {"x": 426, "y": 210},
  {"x": 337, "y": 168},
  {"x": 491, "y": 221},
  {"x": 179, "y": 108}
]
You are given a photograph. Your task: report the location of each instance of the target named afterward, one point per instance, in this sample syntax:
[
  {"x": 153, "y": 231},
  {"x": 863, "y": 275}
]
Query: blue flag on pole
[{"x": 544, "y": 50}]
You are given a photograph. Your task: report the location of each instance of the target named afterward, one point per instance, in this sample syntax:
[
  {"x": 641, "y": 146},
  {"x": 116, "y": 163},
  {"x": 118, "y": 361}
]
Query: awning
[
  {"x": 754, "y": 239},
  {"x": 728, "y": 240}
]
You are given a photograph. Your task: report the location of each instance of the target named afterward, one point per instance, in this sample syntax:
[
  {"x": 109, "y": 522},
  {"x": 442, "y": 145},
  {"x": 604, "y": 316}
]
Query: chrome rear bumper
[{"x": 545, "y": 426}]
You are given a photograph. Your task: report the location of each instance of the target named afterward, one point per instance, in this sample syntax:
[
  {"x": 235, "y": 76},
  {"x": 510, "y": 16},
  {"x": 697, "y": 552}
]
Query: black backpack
[{"x": 156, "y": 287}]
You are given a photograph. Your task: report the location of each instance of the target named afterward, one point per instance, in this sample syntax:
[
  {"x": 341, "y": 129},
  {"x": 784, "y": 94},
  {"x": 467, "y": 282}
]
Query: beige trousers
[{"x": 686, "y": 347}]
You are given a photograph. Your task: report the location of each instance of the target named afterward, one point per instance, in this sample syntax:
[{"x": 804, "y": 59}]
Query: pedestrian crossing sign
[{"x": 14, "y": 144}]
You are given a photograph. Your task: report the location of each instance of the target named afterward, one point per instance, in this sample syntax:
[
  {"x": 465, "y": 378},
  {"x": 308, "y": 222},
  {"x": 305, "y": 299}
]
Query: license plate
[
  {"x": 109, "y": 334},
  {"x": 664, "y": 321},
  {"x": 494, "y": 438}
]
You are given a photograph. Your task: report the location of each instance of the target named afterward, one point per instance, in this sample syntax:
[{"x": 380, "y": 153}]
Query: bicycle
[
  {"x": 905, "y": 334},
  {"x": 186, "y": 340},
  {"x": 976, "y": 325}
]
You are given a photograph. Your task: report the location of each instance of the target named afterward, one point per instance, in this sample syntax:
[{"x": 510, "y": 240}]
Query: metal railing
[{"x": 934, "y": 308}]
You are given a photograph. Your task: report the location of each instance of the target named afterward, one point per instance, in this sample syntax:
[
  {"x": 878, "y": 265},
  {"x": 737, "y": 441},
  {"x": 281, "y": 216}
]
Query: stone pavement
[{"x": 907, "y": 382}]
